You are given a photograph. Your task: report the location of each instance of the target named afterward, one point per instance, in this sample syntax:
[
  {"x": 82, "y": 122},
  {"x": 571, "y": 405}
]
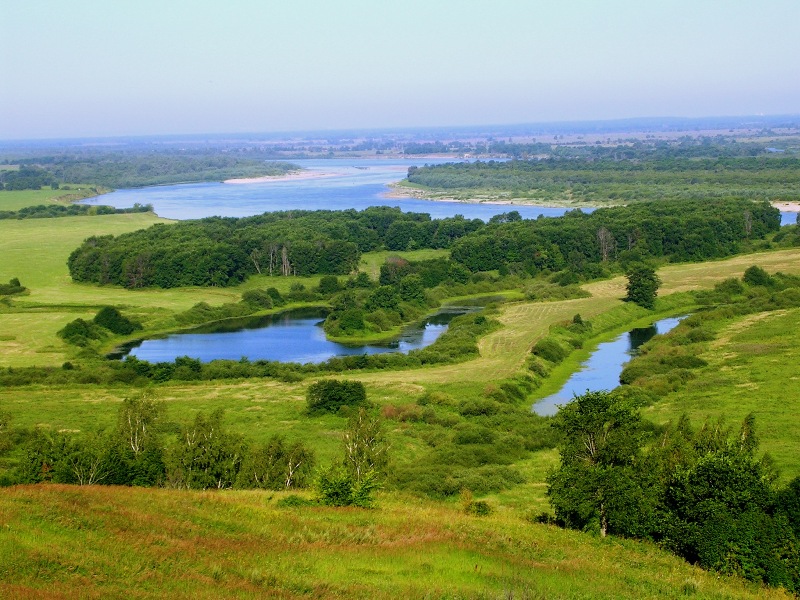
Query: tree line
[
  {"x": 135, "y": 169},
  {"x": 677, "y": 230},
  {"x": 223, "y": 251},
  {"x": 773, "y": 177}
]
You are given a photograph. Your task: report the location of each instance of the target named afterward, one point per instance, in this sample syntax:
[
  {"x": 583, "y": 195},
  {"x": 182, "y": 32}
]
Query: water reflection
[
  {"x": 603, "y": 368},
  {"x": 292, "y": 336}
]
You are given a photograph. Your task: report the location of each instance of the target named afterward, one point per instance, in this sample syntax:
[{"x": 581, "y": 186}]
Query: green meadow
[
  {"x": 78, "y": 542},
  {"x": 61, "y": 541}
]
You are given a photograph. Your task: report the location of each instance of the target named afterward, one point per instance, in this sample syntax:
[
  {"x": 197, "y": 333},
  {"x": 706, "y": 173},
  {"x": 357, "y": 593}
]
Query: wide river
[{"x": 343, "y": 184}]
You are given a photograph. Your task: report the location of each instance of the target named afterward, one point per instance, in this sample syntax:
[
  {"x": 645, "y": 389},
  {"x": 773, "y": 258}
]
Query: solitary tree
[
  {"x": 643, "y": 284},
  {"x": 595, "y": 485}
]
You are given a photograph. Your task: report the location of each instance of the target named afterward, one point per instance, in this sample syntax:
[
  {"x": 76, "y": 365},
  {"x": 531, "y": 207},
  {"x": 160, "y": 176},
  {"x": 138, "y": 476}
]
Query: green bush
[
  {"x": 329, "y": 395},
  {"x": 549, "y": 349},
  {"x": 110, "y": 318},
  {"x": 258, "y": 299}
]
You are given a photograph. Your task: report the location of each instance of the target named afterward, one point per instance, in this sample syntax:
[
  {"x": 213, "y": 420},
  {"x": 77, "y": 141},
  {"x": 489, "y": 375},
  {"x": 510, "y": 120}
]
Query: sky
[{"x": 89, "y": 68}]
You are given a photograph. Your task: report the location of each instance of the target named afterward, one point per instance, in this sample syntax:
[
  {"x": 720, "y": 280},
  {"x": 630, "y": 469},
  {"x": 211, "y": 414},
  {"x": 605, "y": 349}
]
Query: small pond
[
  {"x": 603, "y": 368},
  {"x": 292, "y": 336}
]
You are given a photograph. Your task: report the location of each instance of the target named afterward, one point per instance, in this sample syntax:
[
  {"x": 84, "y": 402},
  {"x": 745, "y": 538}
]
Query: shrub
[
  {"x": 110, "y": 318},
  {"x": 329, "y": 395},
  {"x": 549, "y": 349},
  {"x": 337, "y": 487},
  {"x": 258, "y": 299}
]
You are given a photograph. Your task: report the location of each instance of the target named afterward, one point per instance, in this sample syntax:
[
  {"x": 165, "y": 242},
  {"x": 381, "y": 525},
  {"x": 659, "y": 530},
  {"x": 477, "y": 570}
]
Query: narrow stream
[{"x": 603, "y": 368}]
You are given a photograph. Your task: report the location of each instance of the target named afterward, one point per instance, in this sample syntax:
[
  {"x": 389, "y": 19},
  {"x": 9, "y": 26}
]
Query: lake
[
  {"x": 603, "y": 368},
  {"x": 292, "y": 336},
  {"x": 349, "y": 183}
]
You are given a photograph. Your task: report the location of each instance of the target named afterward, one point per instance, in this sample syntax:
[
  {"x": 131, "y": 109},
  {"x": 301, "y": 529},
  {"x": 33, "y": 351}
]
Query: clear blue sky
[{"x": 102, "y": 68}]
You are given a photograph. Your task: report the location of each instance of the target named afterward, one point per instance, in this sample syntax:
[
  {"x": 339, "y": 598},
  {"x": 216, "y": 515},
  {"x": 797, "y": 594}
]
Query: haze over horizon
[{"x": 85, "y": 69}]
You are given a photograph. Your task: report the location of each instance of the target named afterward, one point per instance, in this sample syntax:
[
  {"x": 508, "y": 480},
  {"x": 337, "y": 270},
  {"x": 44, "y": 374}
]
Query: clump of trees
[
  {"x": 108, "y": 320},
  {"x": 139, "y": 451},
  {"x": 12, "y": 287},
  {"x": 703, "y": 493}
]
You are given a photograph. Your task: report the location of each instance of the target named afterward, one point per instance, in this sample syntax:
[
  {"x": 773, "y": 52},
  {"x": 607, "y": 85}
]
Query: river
[
  {"x": 343, "y": 184},
  {"x": 603, "y": 368}
]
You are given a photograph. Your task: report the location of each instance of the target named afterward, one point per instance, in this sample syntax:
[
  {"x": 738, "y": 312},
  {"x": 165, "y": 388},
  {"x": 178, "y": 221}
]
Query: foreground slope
[{"x": 70, "y": 542}]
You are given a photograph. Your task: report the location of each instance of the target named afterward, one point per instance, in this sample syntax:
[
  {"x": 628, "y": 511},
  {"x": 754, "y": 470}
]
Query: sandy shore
[
  {"x": 291, "y": 176},
  {"x": 400, "y": 192},
  {"x": 787, "y": 206}
]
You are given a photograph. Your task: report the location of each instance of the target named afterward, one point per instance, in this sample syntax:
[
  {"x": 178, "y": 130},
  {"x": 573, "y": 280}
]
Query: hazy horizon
[{"x": 82, "y": 70}]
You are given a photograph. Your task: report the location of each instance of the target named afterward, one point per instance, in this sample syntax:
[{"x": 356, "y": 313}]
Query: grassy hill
[{"x": 70, "y": 542}]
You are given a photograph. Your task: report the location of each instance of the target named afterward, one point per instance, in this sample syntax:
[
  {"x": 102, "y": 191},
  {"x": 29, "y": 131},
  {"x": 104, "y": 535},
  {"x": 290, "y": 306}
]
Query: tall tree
[
  {"x": 595, "y": 484},
  {"x": 643, "y": 284}
]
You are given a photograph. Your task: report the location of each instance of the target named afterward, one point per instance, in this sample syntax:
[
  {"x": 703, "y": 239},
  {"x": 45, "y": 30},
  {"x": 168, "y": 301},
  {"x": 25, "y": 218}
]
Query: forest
[
  {"x": 225, "y": 251},
  {"x": 622, "y": 178},
  {"x": 130, "y": 170}
]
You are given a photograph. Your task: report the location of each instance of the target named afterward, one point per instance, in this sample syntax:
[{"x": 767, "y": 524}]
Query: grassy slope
[
  {"x": 260, "y": 408},
  {"x": 21, "y": 198},
  {"x": 70, "y": 542},
  {"x": 751, "y": 368}
]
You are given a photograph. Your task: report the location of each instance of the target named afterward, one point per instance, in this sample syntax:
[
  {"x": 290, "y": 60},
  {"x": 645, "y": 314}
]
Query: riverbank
[
  {"x": 399, "y": 191},
  {"x": 291, "y": 176},
  {"x": 787, "y": 206}
]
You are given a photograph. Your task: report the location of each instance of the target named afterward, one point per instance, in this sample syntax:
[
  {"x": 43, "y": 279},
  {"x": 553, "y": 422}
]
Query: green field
[
  {"x": 23, "y": 198},
  {"x": 79, "y": 542},
  {"x": 751, "y": 369}
]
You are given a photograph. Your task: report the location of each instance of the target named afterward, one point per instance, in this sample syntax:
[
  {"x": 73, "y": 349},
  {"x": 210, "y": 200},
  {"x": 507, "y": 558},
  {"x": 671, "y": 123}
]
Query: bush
[
  {"x": 80, "y": 332},
  {"x": 110, "y": 318},
  {"x": 329, "y": 395},
  {"x": 258, "y": 299},
  {"x": 337, "y": 487},
  {"x": 549, "y": 349}
]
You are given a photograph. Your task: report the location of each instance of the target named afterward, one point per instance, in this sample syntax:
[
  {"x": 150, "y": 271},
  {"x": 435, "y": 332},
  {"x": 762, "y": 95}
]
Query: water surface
[
  {"x": 603, "y": 368},
  {"x": 292, "y": 336},
  {"x": 355, "y": 184}
]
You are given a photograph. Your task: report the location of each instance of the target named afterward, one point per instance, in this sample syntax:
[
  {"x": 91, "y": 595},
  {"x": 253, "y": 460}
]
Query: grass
[
  {"x": 371, "y": 262},
  {"x": 70, "y": 542},
  {"x": 749, "y": 371},
  {"x": 14, "y": 200}
]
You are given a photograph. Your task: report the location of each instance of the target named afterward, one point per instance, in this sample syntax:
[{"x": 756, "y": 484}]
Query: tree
[
  {"x": 365, "y": 448},
  {"x": 206, "y": 456},
  {"x": 329, "y": 395},
  {"x": 277, "y": 466},
  {"x": 643, "y": 284},
  {"x": 595, "y": 485}
]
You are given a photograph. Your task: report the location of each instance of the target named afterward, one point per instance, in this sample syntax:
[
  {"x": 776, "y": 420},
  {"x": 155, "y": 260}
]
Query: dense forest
[
  {"x": 224, "y": 251},
  {"x": 679, "y": 230},
  {"x": 126, "y": 170},
  {"x": 632, "y": 179}
]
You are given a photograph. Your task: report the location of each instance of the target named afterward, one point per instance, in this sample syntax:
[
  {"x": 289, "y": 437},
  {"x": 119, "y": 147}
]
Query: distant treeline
[
  {"x": 125, "y": 170},
  {"x": 224, "y": 251},
  {"x": 47, "y": 211},
  {"x": 27, "y": 178},
  {"x": 761, "y": 178}
]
